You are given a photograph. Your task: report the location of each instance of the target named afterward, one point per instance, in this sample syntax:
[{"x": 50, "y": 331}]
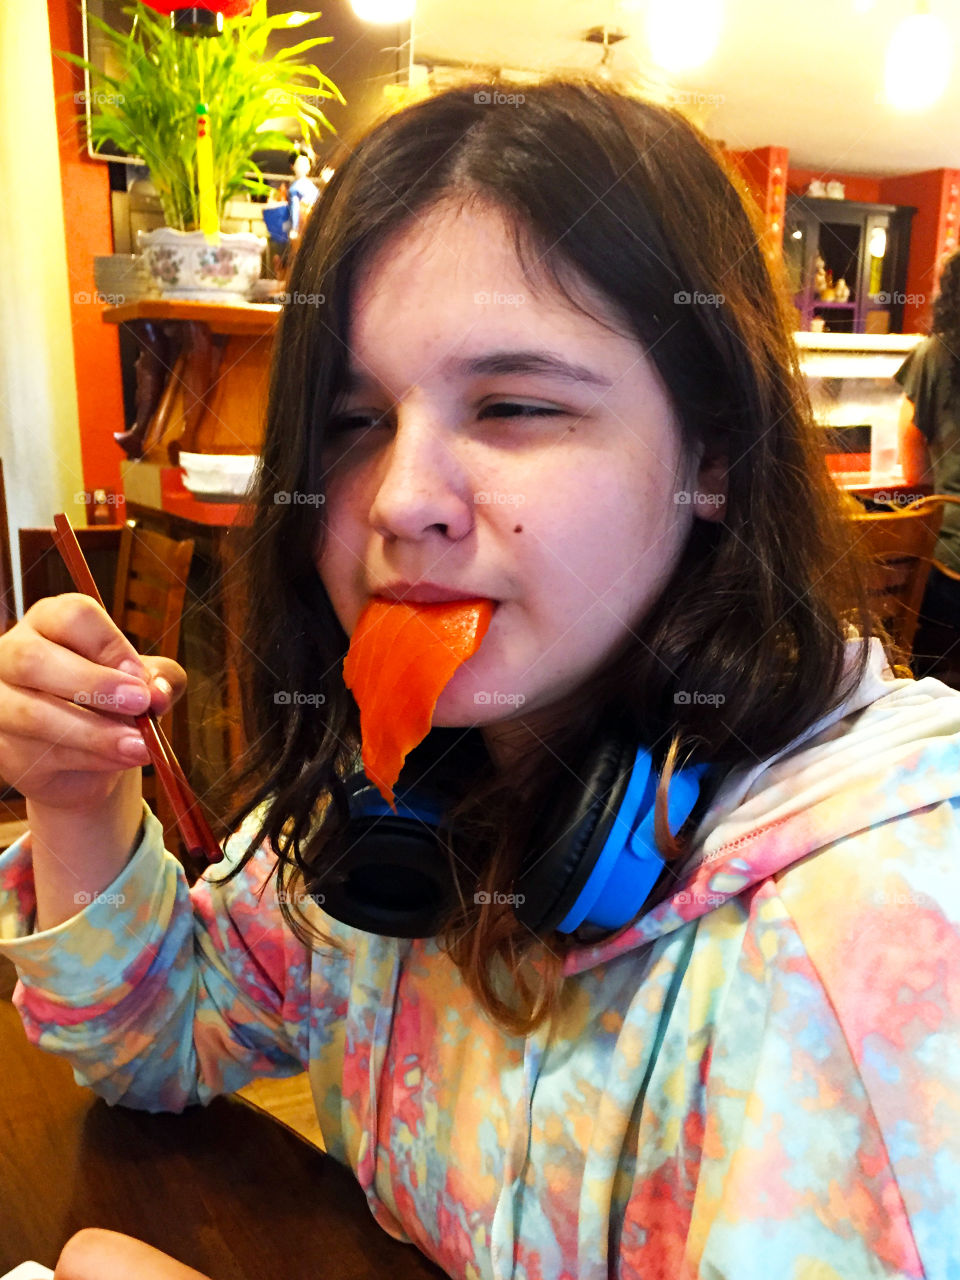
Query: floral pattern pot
[{"x": 185, "y": 264}]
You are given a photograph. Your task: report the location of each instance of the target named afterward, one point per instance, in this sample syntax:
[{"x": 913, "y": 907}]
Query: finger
[
  {"x": 97, "y": 1254},
  {"x": 77, "y": 622},
  {"x": 51, "y": 722},
  {"x": 168, "y": 683},
  {"x": 28, "y": 660}
]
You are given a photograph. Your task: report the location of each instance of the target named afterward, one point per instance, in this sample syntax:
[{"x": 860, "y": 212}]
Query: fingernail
[
  {"x": 133, "y": 747},
  {"x": 134, "y": 668},
  {"x": 163, "y": 685},
  {"x": 134, "y": 696}
]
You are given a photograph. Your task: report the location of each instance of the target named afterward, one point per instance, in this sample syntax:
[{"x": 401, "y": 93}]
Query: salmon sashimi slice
[{"x": 401, "y": 658}]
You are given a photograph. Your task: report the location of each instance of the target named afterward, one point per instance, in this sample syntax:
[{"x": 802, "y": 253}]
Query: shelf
[{"x": 842, "y": 306}]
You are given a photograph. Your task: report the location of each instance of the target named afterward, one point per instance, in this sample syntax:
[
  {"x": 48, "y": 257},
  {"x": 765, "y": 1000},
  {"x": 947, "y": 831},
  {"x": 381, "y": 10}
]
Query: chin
[{"x": 473, "y": 704}]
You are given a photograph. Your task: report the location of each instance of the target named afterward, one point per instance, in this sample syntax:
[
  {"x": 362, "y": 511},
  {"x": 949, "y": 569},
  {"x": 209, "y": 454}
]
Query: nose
[{"x": 423, "y": 486}]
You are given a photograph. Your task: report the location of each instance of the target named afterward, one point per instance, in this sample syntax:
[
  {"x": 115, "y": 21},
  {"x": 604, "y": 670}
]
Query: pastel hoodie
[{"x": 757, "y": 1080}]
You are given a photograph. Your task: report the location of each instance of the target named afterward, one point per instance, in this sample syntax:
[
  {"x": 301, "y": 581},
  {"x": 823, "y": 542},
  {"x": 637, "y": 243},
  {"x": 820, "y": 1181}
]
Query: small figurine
[
  {"x": 841, "y": 290},
  {"x": 820, "y": 278},
  {"x": 302, "y": 194}
]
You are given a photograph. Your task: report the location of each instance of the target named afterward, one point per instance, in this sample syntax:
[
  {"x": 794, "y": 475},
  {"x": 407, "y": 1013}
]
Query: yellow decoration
[
  {"x": 207, "y": 192},
  {"x": 206, "y": 188}
]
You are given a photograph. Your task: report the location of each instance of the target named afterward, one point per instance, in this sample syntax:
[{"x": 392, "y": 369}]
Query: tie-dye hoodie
[{"x": 759, "y": 1080}]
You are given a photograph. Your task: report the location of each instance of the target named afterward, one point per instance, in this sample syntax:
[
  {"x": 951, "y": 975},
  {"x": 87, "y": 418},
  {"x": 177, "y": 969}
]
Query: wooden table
[{"x": 225, "y": 1188}]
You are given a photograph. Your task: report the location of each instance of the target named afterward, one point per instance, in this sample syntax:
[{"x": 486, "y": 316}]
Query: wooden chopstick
[{"x": 191, "y": 823}]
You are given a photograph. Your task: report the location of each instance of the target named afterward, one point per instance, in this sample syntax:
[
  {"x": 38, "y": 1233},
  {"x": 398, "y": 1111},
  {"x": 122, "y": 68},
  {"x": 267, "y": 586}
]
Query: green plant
[{"x": 147, "y": 107}]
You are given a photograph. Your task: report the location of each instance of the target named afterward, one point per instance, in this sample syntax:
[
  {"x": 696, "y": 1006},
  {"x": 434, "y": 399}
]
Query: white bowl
[{"x": 218, "y": 474}]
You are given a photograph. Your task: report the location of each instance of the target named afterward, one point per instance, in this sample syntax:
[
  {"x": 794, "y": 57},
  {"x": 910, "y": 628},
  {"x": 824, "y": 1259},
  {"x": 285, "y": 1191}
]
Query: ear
[{"x": 710, "y": 487}]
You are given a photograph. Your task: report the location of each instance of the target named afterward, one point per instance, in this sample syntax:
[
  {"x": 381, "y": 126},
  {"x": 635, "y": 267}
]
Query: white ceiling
[{"x": 808, "y": 75}]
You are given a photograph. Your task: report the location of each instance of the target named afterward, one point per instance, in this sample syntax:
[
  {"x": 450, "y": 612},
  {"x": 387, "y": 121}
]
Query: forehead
[{"x": 466, "y": 263}]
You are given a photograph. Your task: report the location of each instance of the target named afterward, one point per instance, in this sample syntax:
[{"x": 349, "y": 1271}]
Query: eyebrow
[{"x": 543, "y": 363}]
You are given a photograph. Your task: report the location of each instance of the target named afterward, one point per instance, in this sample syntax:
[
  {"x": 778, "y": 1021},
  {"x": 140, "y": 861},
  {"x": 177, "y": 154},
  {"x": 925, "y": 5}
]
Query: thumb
[{"x": 168, "y": 682}]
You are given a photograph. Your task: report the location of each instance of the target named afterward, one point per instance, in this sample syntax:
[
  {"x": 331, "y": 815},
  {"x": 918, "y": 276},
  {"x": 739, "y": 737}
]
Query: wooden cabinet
[
  {"x": 203, "y": 372},
  {"x": 866, "y": 245}
]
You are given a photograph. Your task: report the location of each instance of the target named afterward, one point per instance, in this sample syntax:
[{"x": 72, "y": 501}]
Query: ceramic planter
[{"x": 184, "y": 264}]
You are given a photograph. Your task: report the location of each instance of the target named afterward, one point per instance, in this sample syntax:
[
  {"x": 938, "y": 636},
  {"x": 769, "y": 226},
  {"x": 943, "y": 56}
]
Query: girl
[{"x": 542, "y": 362}]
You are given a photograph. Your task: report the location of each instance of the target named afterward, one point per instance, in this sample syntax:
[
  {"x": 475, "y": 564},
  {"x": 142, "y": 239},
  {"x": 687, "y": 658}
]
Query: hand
[
  {"x": 70, "y": 683},
  {"x": 94, "y": 1254}
]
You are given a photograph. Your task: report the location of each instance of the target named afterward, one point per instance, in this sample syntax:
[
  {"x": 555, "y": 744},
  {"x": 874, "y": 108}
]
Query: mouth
[{"x": 426, "y": 593}]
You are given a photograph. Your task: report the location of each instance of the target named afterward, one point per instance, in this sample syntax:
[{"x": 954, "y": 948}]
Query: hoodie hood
[{"x": 835, "y": 779}]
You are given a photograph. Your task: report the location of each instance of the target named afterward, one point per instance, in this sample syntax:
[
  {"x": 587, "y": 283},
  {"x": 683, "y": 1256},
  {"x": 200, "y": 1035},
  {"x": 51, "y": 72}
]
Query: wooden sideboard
[{"x": 202, "y": 376}]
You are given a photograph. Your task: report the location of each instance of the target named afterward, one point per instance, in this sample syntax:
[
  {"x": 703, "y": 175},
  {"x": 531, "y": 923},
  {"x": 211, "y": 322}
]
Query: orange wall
[
  {"x": 89, "y": 231},
  {"x": 936, "y": 196},
  {"x": 764, "y": 170}
]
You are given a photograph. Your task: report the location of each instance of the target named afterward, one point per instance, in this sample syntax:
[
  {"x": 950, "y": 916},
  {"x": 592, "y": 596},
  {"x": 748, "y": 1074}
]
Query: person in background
[
  {"x": 748, "y": 1070},
  {"x": 929, "y": 443}
]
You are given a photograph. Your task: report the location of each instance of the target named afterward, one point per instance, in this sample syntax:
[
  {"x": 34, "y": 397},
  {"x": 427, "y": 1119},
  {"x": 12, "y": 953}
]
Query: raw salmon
[{"x": 401, "y": 657}]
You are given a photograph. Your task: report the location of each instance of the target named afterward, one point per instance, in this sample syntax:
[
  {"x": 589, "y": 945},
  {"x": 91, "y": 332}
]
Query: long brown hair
[{"x": 756, "y": 614}]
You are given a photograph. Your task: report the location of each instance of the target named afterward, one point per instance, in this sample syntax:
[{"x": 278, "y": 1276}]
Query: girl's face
[{"x": 500, "y": 443}]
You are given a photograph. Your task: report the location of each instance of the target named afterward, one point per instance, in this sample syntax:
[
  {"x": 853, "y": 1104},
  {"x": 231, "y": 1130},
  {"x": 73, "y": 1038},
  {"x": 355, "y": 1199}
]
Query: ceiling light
[
  {"x": 918, "y": 61},
  {"x": 683, "y": 34},
  {"x": 383, "y": 10}
]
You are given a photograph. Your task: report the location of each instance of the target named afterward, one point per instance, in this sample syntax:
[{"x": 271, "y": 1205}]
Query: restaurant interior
[{"x": 136, "y": 347}]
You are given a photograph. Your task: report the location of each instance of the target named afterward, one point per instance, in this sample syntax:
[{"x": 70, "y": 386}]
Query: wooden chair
[
  {"x": 900, "y": 545},
  {"x": 142, "y": 577}
]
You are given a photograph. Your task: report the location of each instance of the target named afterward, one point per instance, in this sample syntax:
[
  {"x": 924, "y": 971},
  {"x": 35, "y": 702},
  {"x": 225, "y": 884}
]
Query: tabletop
[{"x": 225, "y": 1188}]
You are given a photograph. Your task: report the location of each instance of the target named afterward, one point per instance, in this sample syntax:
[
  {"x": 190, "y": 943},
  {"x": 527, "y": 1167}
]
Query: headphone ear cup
[
  {"x": 549, "y": 887},
  {"x": 393, "y": 877}
]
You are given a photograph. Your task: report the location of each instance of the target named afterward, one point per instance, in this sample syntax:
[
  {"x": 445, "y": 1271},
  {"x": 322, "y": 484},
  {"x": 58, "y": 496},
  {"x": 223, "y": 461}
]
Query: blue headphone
[{"x": 597, "y": 866}]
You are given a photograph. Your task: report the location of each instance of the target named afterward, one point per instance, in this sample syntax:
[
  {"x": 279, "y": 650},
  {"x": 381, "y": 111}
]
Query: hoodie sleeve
[{"x": 161, "y": 996}]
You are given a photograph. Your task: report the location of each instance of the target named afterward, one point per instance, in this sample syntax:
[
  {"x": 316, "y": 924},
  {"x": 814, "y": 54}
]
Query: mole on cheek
[{"x": 518, "y": 528}]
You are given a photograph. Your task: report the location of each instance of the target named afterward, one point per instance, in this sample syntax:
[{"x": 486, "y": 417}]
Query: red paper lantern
[
  {"x": 229, "y": 8},
  {"x": 203, "y": 17}
]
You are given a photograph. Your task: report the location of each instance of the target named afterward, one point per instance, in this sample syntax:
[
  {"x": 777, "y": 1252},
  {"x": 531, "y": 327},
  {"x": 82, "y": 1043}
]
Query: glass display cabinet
[{"x": 847, "y": 263}]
